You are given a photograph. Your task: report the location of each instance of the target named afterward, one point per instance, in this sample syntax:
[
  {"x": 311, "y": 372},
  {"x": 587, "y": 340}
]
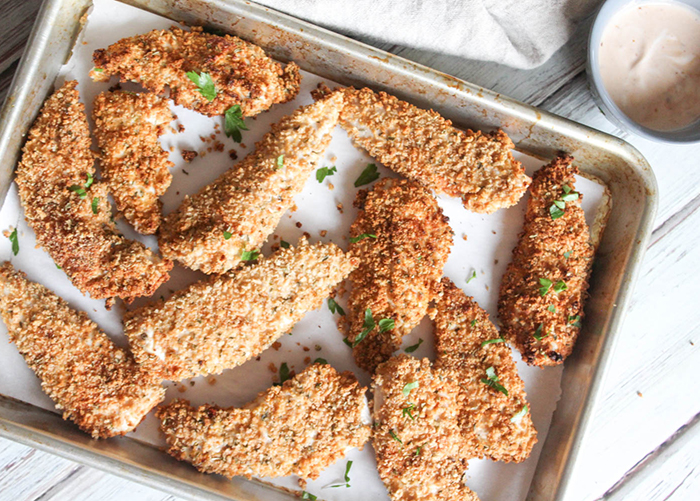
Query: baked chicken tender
[
  {"x": 298, "y": 428},
  {"x": 220, "y": 323},
  {"x": 501, "y": 424},
  {"x": 94, "y": 383},
  {"x": 71, "y": 214},
  {"x": 134, "y": 165},
  {"x": 241, "y": 72},
  {"x": 399, "y": 269},
  {"x": 421, "y": 145},
  {"x": 211, "y": 230},
  {"x": 554, "y": 257},
  {"x": 422, "y": 451}
]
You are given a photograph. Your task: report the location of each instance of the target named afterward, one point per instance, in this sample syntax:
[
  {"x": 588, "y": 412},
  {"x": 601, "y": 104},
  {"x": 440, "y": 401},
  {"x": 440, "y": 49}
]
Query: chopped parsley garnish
[
  {"x": 95, "y": 202},
  {"x": 575, "y": 321},
  {"x": 569, "y": 194},
  {"x": 473, "y": 323},
  {"x": 386, "y": 324},
  {"x": 395, "y": 437},
  {"x": 280, "y": 162},
  {"x": 58, "y": 267},
  {"x": 408, "y": 387},
  {"x": 227, "y": 235},
  {"x": 556, "y": 210},
  {"x": 546, "y": 285},
  {"x": 519, "y": 415},
  {"x": 335, "y": 307},
  {"x": 347, "y": 341},
  {"x": 406, "y": 411},
  {"x": 308, "y": 495},
  {"x": 472, "y": 276},
  {"x": 346, "y": 477},
  {"x": 567, "y": 254},
  {"x": 284, "y": 374},
  {"x": 233, "y": 123},
  {"x": 321, "y": 361},
  {"x": 81, "y": 191},
  {"x": 493, "y": 341},
  {"x": 354, "y": 240},
  {"x": 249, "y": 255},
  {"x": 538, "y": 332},
  {"x": 418, "y": 449},
  {"x": 284, "y": 245},
  {"x": 368, "y": 175},
  {"x": 491, "y": 380},
  {"x": 551, "y": 308},
  {"x": 414, "y": 347},
  {"x": 14, "y": 241},
  {"x": 560, "y": 286},
  {"x": 99, "y": 70},
  {"x": 324, "y": 172},
  {"x": 205, "y": 84},
  {"x": 367, "y": 327}
]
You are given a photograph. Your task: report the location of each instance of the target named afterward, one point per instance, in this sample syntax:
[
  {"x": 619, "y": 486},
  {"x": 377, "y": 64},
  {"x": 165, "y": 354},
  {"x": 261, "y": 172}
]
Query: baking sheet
[{"x": 486, "y": 250}]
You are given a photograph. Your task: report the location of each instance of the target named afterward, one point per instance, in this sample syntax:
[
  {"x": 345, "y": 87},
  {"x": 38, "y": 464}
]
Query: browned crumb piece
[
  {"x": 553, "y": 256},
  {"x": 423, "y": 146},
  {"x": 180, "y": 127},
  {"x": 236, "y": 213},
  {"x": 220, "y": 323},
  {"x": 421, "y": 452},
  {"x": 242, "y": 73},
  {"x": 500, "y": 423},
  {"x": 218, "y": 146},
  {"x": 399, "y": 269},
  {"x": 94, "y": 383},
  {"x": 298, "y": 428},
  {"x": 188, "y": 155},
  {"x": 134, "y": 165},
  {"x": 233, "y": 154},
  {"x": 74, "y": 226}
]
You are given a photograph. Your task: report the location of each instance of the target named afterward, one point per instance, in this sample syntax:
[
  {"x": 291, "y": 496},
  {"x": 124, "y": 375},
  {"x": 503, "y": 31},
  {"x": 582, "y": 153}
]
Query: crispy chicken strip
[
  {"x": 298, "y": 428},
  {"x": 544, "y": 288},
  {"x": 220, "y": 323},
  {"x": 211, "y": 230},
  {"x": 494, "y": 409},
  {"x": 134, "y": 165},
  {"x": 400, "y": 265},
  {"x": 423, "y": 146},
  {"x": 96, "y": 384},
  {"x": 421, "y": 451},
  {"x": 241, "y": 72},
  {"x": 71, "y": 214}
]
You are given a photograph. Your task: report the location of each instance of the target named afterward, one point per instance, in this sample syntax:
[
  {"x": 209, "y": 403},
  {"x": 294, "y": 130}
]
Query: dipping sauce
[{"x": 650, "y": 64}]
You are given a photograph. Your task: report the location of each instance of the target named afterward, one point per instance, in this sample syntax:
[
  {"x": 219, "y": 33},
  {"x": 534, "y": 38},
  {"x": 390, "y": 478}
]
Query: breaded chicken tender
[
  {"x": 134, "y": 165},
  {"x": 421, "y": 145},
  {"x": 71, "y": 214},
  {"x": 211, "y": 230},
  {"x": 494, "y": 409},
  {"x": 220, "y": 323},
  {"x": 544, "y": 288},
  {"x": 421, "y": 451},
  {"x": 298, "y": 428},
  {"x": 94, "y": 383},
  {"x": 241, "y": 72},
  {"x": 406, "y": 243}
]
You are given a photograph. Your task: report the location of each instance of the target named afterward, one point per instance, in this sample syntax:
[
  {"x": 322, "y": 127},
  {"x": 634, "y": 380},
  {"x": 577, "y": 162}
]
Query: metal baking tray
[{"x": 626, "y": 173}]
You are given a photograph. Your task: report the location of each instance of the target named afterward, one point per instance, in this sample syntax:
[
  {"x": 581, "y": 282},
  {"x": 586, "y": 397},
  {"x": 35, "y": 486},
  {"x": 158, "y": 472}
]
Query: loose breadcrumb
[
  {"x": 298, "y": 428},
  {"x": 242, "y": 73},
  {"x": 557, "y": 250},
  {"x": 421, "y": 145},
  {"x": 238, "y": 211},
  {"x": 134, "y": 165},
  {"x": 78, "y": 232},
  {"x": 399, "y": 269},
  {"x": 501, "y": 424},
  {"x": 220, "y": 323},
  {"x": 96, "y": 384}
]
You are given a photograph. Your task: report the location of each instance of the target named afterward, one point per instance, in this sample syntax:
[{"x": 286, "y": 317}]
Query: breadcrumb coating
[
  {"x": 75, "y": 227},
  {"x": 220, "y": 323},
  {"x": 134, "y": 165},
  {"x": 399, "y": 269},
  {"x": 97, "y": 385},
  {"x": 242, "y": 73},
  {"x": 558, "y": 250},
  {"x": 422, "y": 145},
  {"x": 421, "y": 451},
  {"x": 237, "y": 212},
  {"x": 298, "y": 428},
  {"x": 501, "y": 424}
]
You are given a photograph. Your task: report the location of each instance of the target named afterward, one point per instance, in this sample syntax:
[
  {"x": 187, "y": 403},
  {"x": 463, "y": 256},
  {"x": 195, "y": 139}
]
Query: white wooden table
[{"x": 637, "y": 451}]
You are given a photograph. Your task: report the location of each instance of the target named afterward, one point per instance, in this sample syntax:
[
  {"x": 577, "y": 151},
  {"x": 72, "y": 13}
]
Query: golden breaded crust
[
  {"x": 423, "y": 146},
  {"x": 220, "y": 323},
  {"x": 134, "y": 165},
  {"x": 555, "y": 250},
  {"x": 298, "y": 428},
  {"x": 421, "y": 451},
  {"x": 237, "y": 212},
  {"x": 502, "y": 430},
  {"x": 399, "y": 269},
  {"x": 242, "y": 73},
  {"x": 86, "y": 245},
  {"x": 96, "y": 384}
]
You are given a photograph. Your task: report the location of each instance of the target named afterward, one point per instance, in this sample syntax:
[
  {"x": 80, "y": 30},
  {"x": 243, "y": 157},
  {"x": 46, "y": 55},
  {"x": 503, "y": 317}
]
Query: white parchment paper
[{"x": 482, "y": 243}]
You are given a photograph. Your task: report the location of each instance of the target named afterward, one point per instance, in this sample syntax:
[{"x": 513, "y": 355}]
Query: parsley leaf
[
  {"x": 472, "y": 276},
  {"x": 14, "y": 241},
  {"x": 418, "y": 449},
  {"x": 308, "y": 495},
  {"x": 546, "y": 284},
  {"x": 324, "y": 172},
  {"x": 473, "y": 322},
  {"x": 492, "y": 381},
  {"x": 414, "y": 347},
  {"x": 250, "y": 255},
  {"x": 406, "y": 411},
  {"x": 280, "y": 162},
  {"x": 233, "y": 123},
  {"x": 519, "y": 415},
  {"x": 227, "y": 235},
  {"x": 551, "y": 308},
  {"x": 346, "y": 477},
  {"x": 89, "y": 181},
  {"x": 386, "y": 324},
  {"x": 284, "y": 245},
  {"x": 284, "y": 373},
  {"x": 408, "y": 387},
  {"x": 81, "y": 191},
  {"x": 555, "y": 212},
  {"x": 204, "y": 84},
  {"x": 95, "y": 201},
  {"x": 335, "y": 307},
  {"x": 538, "y": 332},
  {"x": 354, "y": 240},
  {"x": 395, "y": 437},
  {"x": 575, "y": 321},
  {"x": 368, "y": 326},
  {"x": 368, "y": 175},
  {"x": 560, "y": 286},
  {"x": 567, "y": 254},
  {"x": 493, "y": 341},
  {"x": 347, "y": 341},
  {"x": 321, "y": 361}
]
